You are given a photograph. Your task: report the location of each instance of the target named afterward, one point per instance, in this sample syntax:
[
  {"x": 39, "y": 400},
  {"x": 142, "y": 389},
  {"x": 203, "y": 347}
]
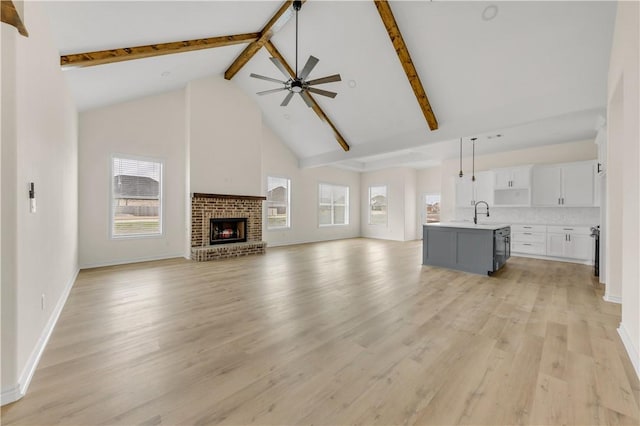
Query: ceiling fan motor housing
[{"x": 296, "y": 86}]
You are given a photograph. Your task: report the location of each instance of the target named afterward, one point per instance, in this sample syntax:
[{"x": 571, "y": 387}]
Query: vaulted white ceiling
[{"x": 536, "y": 73}]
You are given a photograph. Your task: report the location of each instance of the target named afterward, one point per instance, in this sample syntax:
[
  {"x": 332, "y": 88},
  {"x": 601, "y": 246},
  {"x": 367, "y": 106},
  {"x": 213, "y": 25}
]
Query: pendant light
[
  {"x": 461, "y": 174},
  {"x": 473, "y": 159}
]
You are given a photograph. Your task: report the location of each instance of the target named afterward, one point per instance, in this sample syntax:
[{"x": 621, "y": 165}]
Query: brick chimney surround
[{"x": 218, "y": 206}]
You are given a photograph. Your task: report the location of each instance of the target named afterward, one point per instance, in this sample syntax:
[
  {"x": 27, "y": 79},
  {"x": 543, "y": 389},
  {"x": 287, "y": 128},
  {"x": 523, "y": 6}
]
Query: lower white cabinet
[
  {"x": 563, "y": 242},
  {"x": 529, "y": 239},
  {"x": 571, "y": 242}
]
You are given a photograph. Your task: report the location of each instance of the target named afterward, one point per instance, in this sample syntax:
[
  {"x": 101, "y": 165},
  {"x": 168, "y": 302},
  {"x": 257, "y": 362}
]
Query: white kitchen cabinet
[
  {"x": 529, "y": 239},
  {"x": 512, "y": 186},
  {"x": 578, "y": 184},
  {"x": 571, "y": 242},
  {"x": 568, "y": 185},
  {"x": 468, "y": 192},
  {"x": 512, "y": 177}
]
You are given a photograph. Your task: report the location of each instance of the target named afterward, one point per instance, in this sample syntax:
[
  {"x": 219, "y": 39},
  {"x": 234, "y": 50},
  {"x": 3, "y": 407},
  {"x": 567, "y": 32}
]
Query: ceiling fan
[{"x": 299, "y": 84}]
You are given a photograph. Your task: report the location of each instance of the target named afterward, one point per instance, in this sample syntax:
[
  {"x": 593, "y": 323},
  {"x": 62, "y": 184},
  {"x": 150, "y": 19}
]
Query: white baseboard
[
  {"x": 10, "y": 395},
  {"x": 632, "y": 351},
  {"x": 134, "y": 260},
  {"x": 20, "y": 389},
  {"x": 555, "y": 259},
  {"x": 296, "y": 242},
  {"x": 612, "y": 299}
]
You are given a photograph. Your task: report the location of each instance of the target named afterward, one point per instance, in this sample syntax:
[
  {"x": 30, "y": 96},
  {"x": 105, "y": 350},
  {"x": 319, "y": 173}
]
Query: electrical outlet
[{"x": 42, "y": 302}]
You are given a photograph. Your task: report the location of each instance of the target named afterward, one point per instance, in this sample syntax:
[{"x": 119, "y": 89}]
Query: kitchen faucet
[{"x": 475, "y": 211}]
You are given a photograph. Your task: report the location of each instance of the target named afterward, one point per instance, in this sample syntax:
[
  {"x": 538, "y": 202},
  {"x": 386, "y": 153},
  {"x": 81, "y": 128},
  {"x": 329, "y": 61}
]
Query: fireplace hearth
[
  {"x": 227, "y": 230},
  {"x": 215, "y": 233}
]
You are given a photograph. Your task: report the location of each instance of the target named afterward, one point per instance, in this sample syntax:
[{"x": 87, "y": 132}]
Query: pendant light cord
[
  {"x": 461, "y": 174},
  {"x": 296, "y": 43},
  {"x": 473, "y": 160}
]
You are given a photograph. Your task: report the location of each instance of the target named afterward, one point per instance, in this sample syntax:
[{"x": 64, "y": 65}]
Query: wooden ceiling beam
[
  {"x": 275, "y": 23},
  {"x": 88, "y": 59},
  {"x": 316, "y": 108},
  {"x": 9, "y": 15},
  {"x": 389, "y": 21}
]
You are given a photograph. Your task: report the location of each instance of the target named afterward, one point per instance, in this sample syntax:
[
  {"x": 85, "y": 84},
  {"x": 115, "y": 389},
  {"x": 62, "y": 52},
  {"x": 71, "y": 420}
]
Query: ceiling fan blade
[
  {"x": 281, "y": 67},
  {"x": 287, "y": 98},
  {"x": 322, "y": 92},
  {"x": 266, "y": 92},
  {"x": 328, "y": 79},
  {"x": 262, "y": 77},
  {"x": 311, "y": 63},
  {"x": 307, "y": 99}
]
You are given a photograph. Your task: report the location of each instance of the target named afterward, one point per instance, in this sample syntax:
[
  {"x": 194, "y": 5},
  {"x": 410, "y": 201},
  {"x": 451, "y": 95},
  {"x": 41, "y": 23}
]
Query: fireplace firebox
[{"x": 228, "y": 230}]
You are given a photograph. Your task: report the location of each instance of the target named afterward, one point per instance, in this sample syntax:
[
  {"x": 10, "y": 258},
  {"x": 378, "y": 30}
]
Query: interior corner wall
[
  {"x": 8, "y": 216},
  {"x": 401, "y": 184},
  {"x": 151, "y": 127},
  {"x": 428, "y": 181},
  {"x": 410, "y": 205},
  {"x": 279, "y": 161},
  {"x": 225, "y": 133},
  {"x": 623, "y": 156},
  {"x": 39, "y": 121}
]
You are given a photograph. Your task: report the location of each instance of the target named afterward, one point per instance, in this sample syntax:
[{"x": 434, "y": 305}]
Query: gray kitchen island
[{"x": 480, "y": 249}]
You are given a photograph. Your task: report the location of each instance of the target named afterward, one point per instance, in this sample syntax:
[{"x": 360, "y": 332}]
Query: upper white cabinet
[
  {"x": 513, "y": 177},
  {"x": 469, "y": 192},
  {"x": 512, "y": 186},
  {"x": 568, "y": 185}
]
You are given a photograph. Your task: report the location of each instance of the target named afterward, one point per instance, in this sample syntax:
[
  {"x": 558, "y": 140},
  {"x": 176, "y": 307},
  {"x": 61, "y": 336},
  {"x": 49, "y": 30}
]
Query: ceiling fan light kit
[{"x": 299, "y": 84}]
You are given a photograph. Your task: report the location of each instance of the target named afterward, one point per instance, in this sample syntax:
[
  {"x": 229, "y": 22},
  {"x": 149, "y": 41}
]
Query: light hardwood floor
[{"x": 342, "y": 332}]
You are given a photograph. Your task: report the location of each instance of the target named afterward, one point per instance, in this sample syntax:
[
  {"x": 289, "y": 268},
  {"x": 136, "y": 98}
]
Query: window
[
  {"x": 377, "y": 205},
  {"x": 136, "y": 197},
  {"x": 278, "y": 203},
  {"x": 334, "y": 205},
  {"x": 432, "y": 208}
]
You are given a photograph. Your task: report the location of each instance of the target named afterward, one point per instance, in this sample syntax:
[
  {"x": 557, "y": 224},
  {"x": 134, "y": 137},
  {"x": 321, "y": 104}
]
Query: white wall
[
  {"x": 401, "y": 204},
  {"x": 39, "y": 144},
  {"x": 277, "y": 160},
  {"x": 623, "y": 178},
  {"x": 559, "y": 153},
  {"x": 225, "y": 133},
  {"x": 149, "y": 127}
]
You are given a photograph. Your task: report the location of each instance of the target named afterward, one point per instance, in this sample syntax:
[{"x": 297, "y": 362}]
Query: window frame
[
  {"x": 161, "y": 207},
  {"x": 288, "y": 225},
  {"x": 347, "y": 210},
  {"x": 386, "y": 195},
  {"x": 424, "y": 204}
]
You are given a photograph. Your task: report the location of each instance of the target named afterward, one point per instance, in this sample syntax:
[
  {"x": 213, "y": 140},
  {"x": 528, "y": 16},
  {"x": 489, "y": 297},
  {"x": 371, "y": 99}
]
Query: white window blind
[
  {"x": 333, "y": 208},
  {"x": 136, "y": 207}
]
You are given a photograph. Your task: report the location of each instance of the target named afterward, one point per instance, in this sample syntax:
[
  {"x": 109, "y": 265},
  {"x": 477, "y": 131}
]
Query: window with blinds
[
  {"x": 333, "y": 207},
  {"x": 136, "y": 197}
]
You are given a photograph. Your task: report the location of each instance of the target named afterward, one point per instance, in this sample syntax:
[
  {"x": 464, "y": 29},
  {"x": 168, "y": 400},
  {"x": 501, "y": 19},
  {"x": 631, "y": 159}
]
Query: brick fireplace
[{"x": 209, "y": 210}]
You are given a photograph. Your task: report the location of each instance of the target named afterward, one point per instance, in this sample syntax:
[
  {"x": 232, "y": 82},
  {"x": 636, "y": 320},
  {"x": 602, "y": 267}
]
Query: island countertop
[{"x": 488, "y": 226}]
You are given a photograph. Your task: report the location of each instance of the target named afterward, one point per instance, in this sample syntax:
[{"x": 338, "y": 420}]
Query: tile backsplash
[{"x": 534, "y": 215}]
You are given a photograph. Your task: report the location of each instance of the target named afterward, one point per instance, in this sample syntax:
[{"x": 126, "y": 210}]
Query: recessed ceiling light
[
  {"x": 494, "y": 136},
  {"x": 490, "y": 12},
  {"x": 165, "y": 74},
  {"x": 351, "y": 83}
]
